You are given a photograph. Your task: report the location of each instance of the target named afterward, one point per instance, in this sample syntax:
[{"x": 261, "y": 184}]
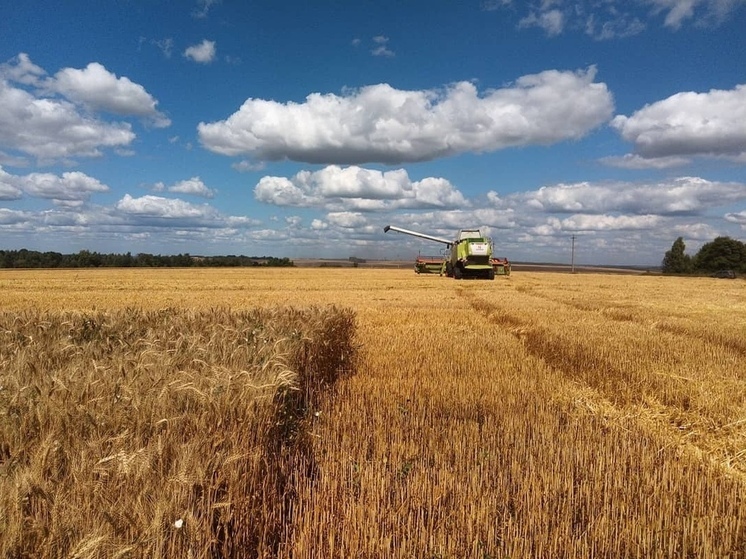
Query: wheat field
[{"x": 539, "y": 415}]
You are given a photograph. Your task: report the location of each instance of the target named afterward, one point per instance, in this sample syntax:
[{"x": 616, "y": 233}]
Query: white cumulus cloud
[
  {"x": 683, "y": 195},
  {"x": 737, "y": 217},
  {"x": 51, "y": 129},
  {"x": 8, "y": 188},
  {"x": 347, "y": 220},
  {"x": 688, "y": 124},
  {"x": 203, "y": 8},
  {"x": 702, "y": 12},
  {"x": 635, "y": 161},
  {"x": 356, "y": 188},
  {"x": 10, "y": 219},
  {"x": 70, "y": 186},
  {"x": 178, "y": 215},
  {"x": 551, "y": 21},
  {"x": 610, "y": 19},
  {"x": 21, "y": 70},
  {"x": 53, "y": 118},
  {"x": 98, "y": 89},
  {"x": 159, "y": 207},
  {"x": 379, "y": 123},
  {"x": 203, "y": 53},
  {"x": 583, "y": 222},
  {"x": 695, "y": 231},
  {"x": 381, "y": 48},
  {"x": 194, "y": 186}
]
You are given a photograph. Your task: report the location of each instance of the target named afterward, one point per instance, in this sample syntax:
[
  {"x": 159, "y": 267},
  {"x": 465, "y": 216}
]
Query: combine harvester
[{"x": 470, "y": 256}]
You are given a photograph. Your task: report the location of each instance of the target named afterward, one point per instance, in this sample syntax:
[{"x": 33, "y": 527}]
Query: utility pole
[{"x": 573, "y": 254}]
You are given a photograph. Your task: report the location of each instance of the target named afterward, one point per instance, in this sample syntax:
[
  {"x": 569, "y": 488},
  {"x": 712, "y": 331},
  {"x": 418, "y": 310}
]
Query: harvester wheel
[
  {"x": 491, "y": 274},
  {"x": 458, "y": 273}
]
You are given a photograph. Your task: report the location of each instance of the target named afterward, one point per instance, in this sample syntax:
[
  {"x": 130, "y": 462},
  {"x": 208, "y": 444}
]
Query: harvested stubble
[
  {"x": 164, "y": 433},
  {"x": 482, "y": 445},
  {"x": 685, "y": 365}
]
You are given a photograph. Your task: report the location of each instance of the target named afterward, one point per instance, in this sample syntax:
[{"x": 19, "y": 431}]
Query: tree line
[
  {"x": 24, "y": 258},
  {"x": 721, "y": 254}
]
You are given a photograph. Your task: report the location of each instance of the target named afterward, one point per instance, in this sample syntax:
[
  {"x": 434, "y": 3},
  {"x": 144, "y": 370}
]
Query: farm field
[{"x": 539, "y": 415}]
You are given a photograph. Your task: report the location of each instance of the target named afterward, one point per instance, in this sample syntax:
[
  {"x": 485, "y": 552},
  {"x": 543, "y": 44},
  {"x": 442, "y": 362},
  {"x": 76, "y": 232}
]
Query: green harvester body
[{"x": 470, "y": 256}]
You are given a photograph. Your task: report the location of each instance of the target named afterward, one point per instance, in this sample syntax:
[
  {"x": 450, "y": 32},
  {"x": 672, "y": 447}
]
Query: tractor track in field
[
  {"x": 605, "y": 388},
  {"x": 738, "y": 346},
  {"x": 572, "y": 360},
  {"x": 623, "y": 313}
]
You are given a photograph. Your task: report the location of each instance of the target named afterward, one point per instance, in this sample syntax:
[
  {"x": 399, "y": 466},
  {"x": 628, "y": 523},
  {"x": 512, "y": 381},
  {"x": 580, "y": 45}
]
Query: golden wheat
[
  {"x": 540, "y": 415},
  {"x": 157, "y": 433}
]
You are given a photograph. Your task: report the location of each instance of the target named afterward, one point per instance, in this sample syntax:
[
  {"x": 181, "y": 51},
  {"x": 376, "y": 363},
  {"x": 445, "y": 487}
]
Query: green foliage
[
  {"x": 86, "y": 259},
  {"x": 675, "y": 260},
  {"x": 723, "y": 253}
]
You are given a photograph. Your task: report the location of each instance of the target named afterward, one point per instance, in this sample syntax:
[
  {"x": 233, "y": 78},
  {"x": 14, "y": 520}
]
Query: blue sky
[{"x": 300, "y": 129}]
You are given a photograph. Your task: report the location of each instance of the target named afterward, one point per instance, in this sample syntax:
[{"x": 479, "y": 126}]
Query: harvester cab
[{"x": 470, "y": 254}]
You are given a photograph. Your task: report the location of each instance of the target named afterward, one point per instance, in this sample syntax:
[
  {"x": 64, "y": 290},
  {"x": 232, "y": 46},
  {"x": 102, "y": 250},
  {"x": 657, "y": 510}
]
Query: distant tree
[
  {"x": 279, "y": 262},
  {"x": 723, "y": 253},
  {"x": 24, "y": 258},
  {"x": 675, "y": 260},
  {"x": 145, "y": 260},
  {"x": 52, "y": 260}
]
